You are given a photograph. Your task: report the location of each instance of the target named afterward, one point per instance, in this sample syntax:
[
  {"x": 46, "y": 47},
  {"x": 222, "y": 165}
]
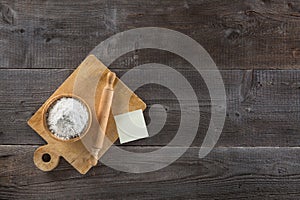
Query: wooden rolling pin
[{"x": 103, "y": 113}]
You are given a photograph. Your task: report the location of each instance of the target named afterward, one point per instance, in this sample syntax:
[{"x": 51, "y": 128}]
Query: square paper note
[{"x": 131, "y": 126}]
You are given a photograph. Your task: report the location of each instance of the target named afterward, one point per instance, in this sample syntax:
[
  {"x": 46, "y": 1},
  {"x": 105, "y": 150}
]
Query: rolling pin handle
[{"x": 111, "y": 79}]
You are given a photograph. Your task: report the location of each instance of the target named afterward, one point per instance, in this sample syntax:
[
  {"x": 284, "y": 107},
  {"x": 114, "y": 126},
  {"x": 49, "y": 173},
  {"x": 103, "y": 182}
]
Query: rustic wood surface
[
  {"x": 255, "y": 44},
  {"x": 227, "y": 173}
]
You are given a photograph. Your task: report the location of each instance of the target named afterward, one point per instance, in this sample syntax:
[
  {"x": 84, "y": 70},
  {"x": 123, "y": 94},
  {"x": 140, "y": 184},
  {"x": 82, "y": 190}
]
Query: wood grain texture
[
  {"x": 238, "y": 34},
  {"x": 41, "y": 42},
  {"x": 226, "y": 173},
  {"x": 90, "y": 75},
  {"x": 262, "y": 106}
]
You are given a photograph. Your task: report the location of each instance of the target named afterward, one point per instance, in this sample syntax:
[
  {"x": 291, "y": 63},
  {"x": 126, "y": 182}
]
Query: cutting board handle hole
[{"x": 46, "y": 157}]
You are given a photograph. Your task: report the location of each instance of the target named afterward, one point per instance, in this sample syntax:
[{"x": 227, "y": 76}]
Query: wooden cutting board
[{"x": 85, "y": 83}]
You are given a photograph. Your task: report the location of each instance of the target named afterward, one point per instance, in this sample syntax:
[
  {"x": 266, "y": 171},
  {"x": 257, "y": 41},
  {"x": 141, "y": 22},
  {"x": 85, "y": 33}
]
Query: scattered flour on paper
[{"x": 67, "y": 118}]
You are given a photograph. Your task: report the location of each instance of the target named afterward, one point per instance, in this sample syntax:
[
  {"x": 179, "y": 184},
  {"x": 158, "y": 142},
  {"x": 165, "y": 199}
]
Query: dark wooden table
[{"x": 255, "y": 44}]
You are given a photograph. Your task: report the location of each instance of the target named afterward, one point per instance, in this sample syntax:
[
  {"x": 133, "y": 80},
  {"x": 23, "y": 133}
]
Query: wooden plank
[
  {"x": 238, "y": 34},
  {"x": 91, "y": 76},
  {"x": 262, "y": 106},
  {"x": 231, "y": 173}
]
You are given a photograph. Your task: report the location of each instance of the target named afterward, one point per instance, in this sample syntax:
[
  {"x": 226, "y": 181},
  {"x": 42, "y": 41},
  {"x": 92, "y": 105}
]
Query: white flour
[{"x": 67, "y": 118}]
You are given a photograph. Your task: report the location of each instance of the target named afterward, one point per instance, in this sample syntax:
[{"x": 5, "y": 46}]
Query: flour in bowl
[{"x": 67, "y": 118}]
